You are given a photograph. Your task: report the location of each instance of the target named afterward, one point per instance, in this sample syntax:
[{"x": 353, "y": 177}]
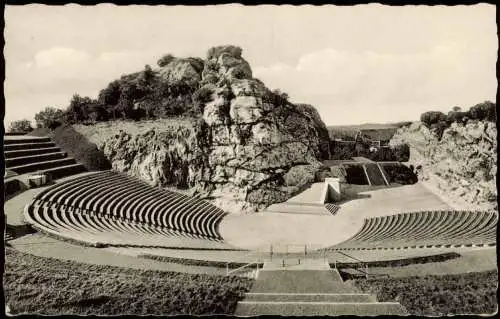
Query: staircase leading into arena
[{"x": 304, "y": 286}]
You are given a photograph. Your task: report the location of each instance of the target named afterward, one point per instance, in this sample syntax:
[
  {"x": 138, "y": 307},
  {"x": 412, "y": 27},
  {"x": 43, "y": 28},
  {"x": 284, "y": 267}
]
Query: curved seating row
[
  {"x": 114, "y": 195},
  {"x": 425, "y": 229},
  {"x": 90, "y": 227}
]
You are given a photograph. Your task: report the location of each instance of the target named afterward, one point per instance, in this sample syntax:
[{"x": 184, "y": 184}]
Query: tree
[
  {"x": 20, "y": 126},
  {"x": 111, "y": 94},
  {"x": 432, "y": 117},
  {"x": 49, "y": 118},
  {"x": 79, "y": 108},
  {"x": 165, "y": 60},
  {"x": 483, "y": 111}
]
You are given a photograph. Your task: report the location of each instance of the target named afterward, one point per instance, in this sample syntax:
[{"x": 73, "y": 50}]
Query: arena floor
[{"x": 260, "y": 231}]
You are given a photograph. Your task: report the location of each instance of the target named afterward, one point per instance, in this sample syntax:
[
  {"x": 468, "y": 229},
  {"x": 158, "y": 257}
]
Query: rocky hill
[
  {"x": 249, "y": 148},
  {"x": 461, "y": 165}
]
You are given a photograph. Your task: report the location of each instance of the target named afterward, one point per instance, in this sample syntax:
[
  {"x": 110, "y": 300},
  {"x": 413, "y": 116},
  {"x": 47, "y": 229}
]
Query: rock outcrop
[
  {"x": 462, "y": 165},
  {"x": 250, "y": 148}
]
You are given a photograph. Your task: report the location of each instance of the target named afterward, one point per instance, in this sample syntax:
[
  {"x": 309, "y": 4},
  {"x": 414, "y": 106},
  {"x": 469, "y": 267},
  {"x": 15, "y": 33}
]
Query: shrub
[
  {"x": 432, "y": 117},
  {"x": 50, "y": 118},
  {"x": 215, "y": 52},
  {"x": 400, "y": 174},
  {"x": 401, "y": 152},
  {"x": 21, "y": 126},
  {"x": 485, "y": 111},
  {"x": 165, "y": 60}
]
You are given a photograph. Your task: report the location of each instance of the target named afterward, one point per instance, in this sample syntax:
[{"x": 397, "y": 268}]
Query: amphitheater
[{"x": 293, "y": 250}]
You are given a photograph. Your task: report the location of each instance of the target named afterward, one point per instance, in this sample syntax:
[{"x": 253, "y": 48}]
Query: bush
[
  {"x": 50, "y": 118},
  {"x": 21, "y": 126},
  {"x": 485, "y": 111},
  {"x": 432, "y": 117},
  {"x": 401, "y": 152},
  {"x": 400, "y": 174},
  {"x": 215, "y": 52},
  {"x": 165, "y": 60}
]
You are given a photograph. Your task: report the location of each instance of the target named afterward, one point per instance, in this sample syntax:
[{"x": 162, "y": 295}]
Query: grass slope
[
  {"x": 432, "y": 295},
  {"x": 43, "y": 285},
  {"x": 77, "y": 146}
]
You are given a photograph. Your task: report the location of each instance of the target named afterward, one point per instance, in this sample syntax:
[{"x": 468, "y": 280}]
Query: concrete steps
[
  {"x": 26, "y": 140},
  {"x": 64, "y": 171},
  {"x": 37, "y": 166},
  {"x": 298, "y": 208},
  {"x": 31, "y": 154},
  {"x": 295, "y": 308},
  {"x": 27, "y": 146},
  {"x": 23, "y": 160},
  {"x": 309, "y": 293}
]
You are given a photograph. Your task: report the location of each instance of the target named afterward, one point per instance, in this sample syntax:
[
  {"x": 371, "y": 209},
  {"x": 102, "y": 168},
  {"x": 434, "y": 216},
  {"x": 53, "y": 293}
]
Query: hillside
[
  {"x": 217, "y": 131},
  {"x": 461, "y": 165},
  {"x": 374, "y": 131}
]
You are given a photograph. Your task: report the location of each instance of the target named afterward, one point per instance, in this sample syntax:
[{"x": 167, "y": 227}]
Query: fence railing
[{"x": 361, "y": 262}]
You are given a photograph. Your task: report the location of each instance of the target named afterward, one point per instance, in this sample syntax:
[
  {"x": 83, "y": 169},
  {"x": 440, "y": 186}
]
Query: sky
[{"x": 355, "y": 64}]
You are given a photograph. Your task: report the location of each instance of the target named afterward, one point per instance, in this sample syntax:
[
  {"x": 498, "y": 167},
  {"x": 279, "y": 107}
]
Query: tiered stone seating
[
  {"x": 30, "y": 154},
  {"x": 425, "y": 229},
  {"x": 114, "y": 208}
]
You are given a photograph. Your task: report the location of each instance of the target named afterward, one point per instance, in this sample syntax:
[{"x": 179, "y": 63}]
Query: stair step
[
  {"x": 22, "y": 169},
  {"x": 310, "y": 297},
  {"x": 27, "y": 146},
  {"x": 23, "y": 160},
  {"x": 63, "y": 171},
  {"x": 26, "y": 140},
  {"x": 300, "y": 281},
  {"x": 250, "y": 308},
  {"x": 35, "y": 151}
]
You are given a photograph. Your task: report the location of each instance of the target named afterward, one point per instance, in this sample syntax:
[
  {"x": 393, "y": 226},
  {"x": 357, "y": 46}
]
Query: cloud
[
  {"x": 372, "y": 84},
  {"x": 60, "y": 57},
  {"x": 62, "y": 71}
]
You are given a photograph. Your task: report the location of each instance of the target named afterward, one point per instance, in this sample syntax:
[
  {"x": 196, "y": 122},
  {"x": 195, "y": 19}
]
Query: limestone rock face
[
  {"x": 247, "y": 151},
  {"x": 462, "y": 164}
]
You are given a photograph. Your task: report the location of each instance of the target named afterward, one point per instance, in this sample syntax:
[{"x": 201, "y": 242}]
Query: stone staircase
[
  {"x": 35, "y": 155},
  {"x": 310, "y": 288}
]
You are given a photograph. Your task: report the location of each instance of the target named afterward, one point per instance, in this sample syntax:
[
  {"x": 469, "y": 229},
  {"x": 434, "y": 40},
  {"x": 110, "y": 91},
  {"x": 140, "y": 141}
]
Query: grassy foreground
[
  {"x": 468, "y": 293},
  {"x": 43, "y": 285}
]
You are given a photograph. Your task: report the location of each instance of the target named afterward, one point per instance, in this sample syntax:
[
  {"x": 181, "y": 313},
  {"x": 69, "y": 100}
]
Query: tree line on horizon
[{"x": 438, "y": 122}]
